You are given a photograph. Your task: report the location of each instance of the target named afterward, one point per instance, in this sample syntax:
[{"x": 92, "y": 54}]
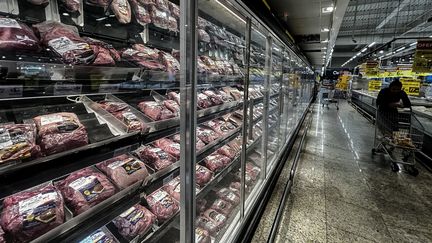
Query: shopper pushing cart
[
  {"x": 398, "y": 133},
  {"x": 327, "y": 97}
]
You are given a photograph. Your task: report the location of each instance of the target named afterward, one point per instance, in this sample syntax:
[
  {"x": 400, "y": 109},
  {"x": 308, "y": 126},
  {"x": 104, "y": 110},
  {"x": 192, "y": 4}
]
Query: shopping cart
[
  {"x": 327, "y": 98},
  {"x": 399, "y": 134}
]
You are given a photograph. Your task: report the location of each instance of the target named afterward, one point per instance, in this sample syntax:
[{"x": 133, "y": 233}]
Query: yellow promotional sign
[
  {"x": 374, "y": 85},
  {"x": 423, "y": 57},
  {"x": 411, "y": 86}
]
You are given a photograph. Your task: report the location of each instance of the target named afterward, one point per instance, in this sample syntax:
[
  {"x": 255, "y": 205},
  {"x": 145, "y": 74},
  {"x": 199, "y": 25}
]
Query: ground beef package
[
  {"x": 15, "y": 35},
  {"x": 122, "y": 112},
  {"x": 18, "y": 141},
  {"x": 206, "y": 135},
  {"x": 155, "y": 110},
  {"x": 59, "y": 132},
  {"x": 124, "y": 170},
  {"x": 84, "y": 189},
  {"x": 2, "y": 239},
  {"x": 135, "y": 221},
  {"x": 173, "y": 188},
  {"x": 29, "y": 214},
  {"x": 168, "y": 146},
  {"x": 154, "y": 157},
  {"x": 162, "y": 205}
]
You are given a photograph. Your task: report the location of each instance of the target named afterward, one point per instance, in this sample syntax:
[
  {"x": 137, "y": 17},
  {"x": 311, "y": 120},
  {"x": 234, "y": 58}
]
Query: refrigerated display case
[{"x": 125, "y": 120}]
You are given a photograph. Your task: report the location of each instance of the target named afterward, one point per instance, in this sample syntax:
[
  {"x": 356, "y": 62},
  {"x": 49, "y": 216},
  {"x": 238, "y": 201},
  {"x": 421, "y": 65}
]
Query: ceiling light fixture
[
  {"x": 327, "y": 9},
  {"x": 371, "y": 44},
  {"x": 325, "y": 30},
  {"x": 400, "y": 49}
]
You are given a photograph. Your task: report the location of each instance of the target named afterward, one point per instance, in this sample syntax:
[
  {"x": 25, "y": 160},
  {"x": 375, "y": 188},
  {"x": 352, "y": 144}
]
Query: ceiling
[{"x": 352, "y": 26}]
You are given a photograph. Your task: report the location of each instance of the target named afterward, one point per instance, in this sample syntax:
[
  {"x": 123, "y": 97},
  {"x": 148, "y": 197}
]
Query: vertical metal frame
[
  {"x": 188, "y": 80},
  {"x": 246, "y": 122},
  {"x": 267, "y": 83}
]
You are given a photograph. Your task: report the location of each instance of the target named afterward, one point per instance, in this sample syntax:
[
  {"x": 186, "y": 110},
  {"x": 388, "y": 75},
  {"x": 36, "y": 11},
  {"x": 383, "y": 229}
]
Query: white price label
[
  {"x": 108, "y": 88},
  {"x": 11, "y": 91},
  {"x": 67, "y": 89}
]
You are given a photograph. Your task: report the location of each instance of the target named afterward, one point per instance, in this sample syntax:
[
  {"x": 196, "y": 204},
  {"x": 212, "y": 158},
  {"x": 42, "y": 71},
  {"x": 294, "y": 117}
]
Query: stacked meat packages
[
  {"x": 154, "y": 157},
  {"x": 156, "y": 110},
  {"x": 143, "y": 56},
  {"x": 169, "y": 146},
  {"x": 135, "y": 221},
  {"x": 162, "y": 205},
  {"x": 17, "y": 142},
  {"x": 123, "y": 112}
]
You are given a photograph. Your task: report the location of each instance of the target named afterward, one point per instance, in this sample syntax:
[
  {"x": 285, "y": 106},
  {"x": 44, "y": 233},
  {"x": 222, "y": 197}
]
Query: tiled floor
[{"x": 342, "y": 193}]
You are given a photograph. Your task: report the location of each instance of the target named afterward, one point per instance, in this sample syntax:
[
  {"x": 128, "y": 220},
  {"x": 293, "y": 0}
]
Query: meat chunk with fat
[
  {"x": 154, "y": 157},
  {"x": 168, "y": 146},
  {"x": 162, "y": 205},
  {"x": 155, "y": 110},
  {"x": 135, "y": 221},
  {"x": 18, "y": 142},
  {"x": 202, "y": 175},
  {"x": 15, "y": 36},
  {"x": 122, "y": 11}
]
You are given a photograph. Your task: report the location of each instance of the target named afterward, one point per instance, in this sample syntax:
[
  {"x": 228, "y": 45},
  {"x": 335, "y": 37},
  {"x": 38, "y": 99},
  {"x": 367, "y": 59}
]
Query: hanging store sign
[
  {"x": 423, "y": 57},
  {"x": 372, "y": 68},
  {"x": 411, "y": 86},
  {"x": 374, "y": 85}
]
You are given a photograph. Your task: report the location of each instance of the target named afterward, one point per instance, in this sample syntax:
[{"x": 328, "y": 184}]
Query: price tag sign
[
  {"x": 109, "y": 88},
  {"x": 423, "y": 56},
  {"x": 67, "y": 89},
  {"x": 11, "y": 91},
  {"x": 374, "y": 85},
  {"x": 411, "y": 86}
]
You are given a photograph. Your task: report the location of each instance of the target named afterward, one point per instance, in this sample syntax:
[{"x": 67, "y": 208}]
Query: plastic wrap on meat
[
  {"x": 102, "y": 235},
  {"x": 236, "y": 69},
  {"x": 72, "y": 5},
  {"x": 222, "y": 206},
  {"x": 65, "y": 41},
  {"x": 207, "y": 224},
  {"x": 221, "y": 127},
  {"x": 124, "y": 170},
  {"x": 15, "y": 35},
  {"x": 206, "y": 135},
  {"x": 159, "y": 18},
  {"x": 162, "y": 5},
  {"x": 121, "y": 10},
  {"x": 17, "y": 142},
  {"x": 142, "y": 15},
  {"x": 216, "y": 162},
  {"x": 228, "y": 195},
  {"x": 172, "y": 24},
  {"x": 155, "y": 110},
  {"x": 122, "y": 112},
  {"x": 135, "y": 221},
  {"x": 142, "y": 59},
  {"x": 203, "y": 101},
  {"x": 228, "y": 68},
  {"x": 236, "y": 144},
  {"x": 210, "y": 64},
  {"x": 225, "y": 97},
  {"x": 202, "y": 67},
  {"x": 173, "y": 188},
  {"x": 234, "y": 92},
  {"x": 2, "y": 238},
  {"x": 38, "y": 2},
  {"x": 203, "y": 36},
  {"x": 202, "y": 236},
  {"x": 154, "y": 157},
  {"x": 201, "y": 205},
  {"x": 174, "y": 9},
  {"x": 252, "y": 170},
  {"x": 172, "y": 106},
  {"x": 176, "y": 54},
  {"x": 84, "y": 189},
  {"x": 236, "y": 120},
  {"x": 174, "y": 96},
  {"x": 149, "y": 53},
  {"x": 171, "y": 64},
  {"x": 199, "y": 143},
  {"x": 162, "y": 205},
  {"x": 217, "y": 218},
  {"x": 203, "y": 175},
  {"x": 227, "y": 151},
  {"x": 104, "y": 52},
  {"x": 147, "y": 2},
  {"x": 169, "y": 146},
  {"x": 60, "y": 132},
  {"x": 202, "y": 23},
  {"x": 221, "y": 67},
  {"x": 235, "y": 187},
  {"x": 216, "y": 99},
  {"x": 29, "y": 214}
]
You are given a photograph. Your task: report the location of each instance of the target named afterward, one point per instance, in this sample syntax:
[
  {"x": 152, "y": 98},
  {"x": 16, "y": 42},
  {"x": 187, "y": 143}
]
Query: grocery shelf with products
[{"x": 103, "y": 126}]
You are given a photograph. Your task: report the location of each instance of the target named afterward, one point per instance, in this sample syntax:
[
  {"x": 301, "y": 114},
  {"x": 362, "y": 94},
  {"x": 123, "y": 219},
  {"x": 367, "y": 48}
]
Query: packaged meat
[
  {"x": 2, "y": 237},
  {"x": 65, "y": 41},
  {"x": 155, "y": 110},
  {"x": 216, "y": 162},
  {"x": 15, "y": 35},
  {"x": 105, "y": 53},
  {"x": 121, "y": 10},
  {"x": 203, "y": 175},
  {"x": 201, "y": 205},
  {"x": 135, "y": 221},
  {"x": 17, "y": 142},
  {"x": 203, "y": 101},
  {"x": 174, "y": 96},
  {"x": 210, "y": 64},
  {"x": 142, "y": 59},
  {"x": 168, "y": 146},
  {"x": 206, "y": 135},
  {"x": 202, "y": 23},
  {"x": 228, "y": 195},
  {"x": 227, "y": 151},
  {"x": 38, "y": 2},
  {"x": 172, "y": 106},
  {"x": 202, "y": 236},
  {"x": 154, "y": 157},
  {"x": 60, "y": 132},
  {"x": 202, "y": 67},
  {"x": 172, "y": 24},
  {"x": 171, "y": 64},
  {"x": 199, "y": 144},
  {"x": 174, "y": 9},
  {"x": 236, "y": 69},
  {"x": 176, "y": 54},
  {"x": 149, "y": 53},
  {"x": 102, "y": 235},
  {"x": 216, "y": 99},
  {"x": 142, "y": 15},
  {"x": 221, "y": 127},
  {"x": 162, "y": 205},
  {"x": 159, "y": 18},
  {"x": 222, "y": 206},
  {"x": 207, "y": 224},
  {"x": 217, "y": 218},
  {"x": 235, "y": 187},
  {"x": 123, "y": 112},
  {"x": 173, "y": 188},
  {"x": 72, "y": 5},
  {"x": 147, "y": 2},
  {"x": 252, "y": 170},
  {"x": 124, "y": 170},
  {"x": 221, "y": 67},
  {"x": 84, "y": 189},
  {"x": 203, "y": 36},
  {"x": 29, "y": 214},
  {"x": 162, "y": 5}
]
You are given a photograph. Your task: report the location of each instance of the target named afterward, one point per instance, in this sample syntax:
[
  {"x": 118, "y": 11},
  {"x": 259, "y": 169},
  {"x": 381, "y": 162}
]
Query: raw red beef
[
  {"x": 227, "y": 151},
  {"x": 217, "y": 218},
  {"x": 203, "y": 175},
  {"x": 210, "y": 64},
  {"x": 174, "y": 96},
  {"x": 228, "y": 195},
  {"x": 222, "y": 206},
  {"x": 154, "y": 157},
  {"x": 147, "y": 2},
  {"x": 155, "y": 111},
  {"x": 122, "y": 10},
  {"x": 207, "y": 224},
  {"x": 206, "y": 135},
  {"x": 122, "y": 112},
  {"x": 199, "y": 144},
  {"x": 203, "y": 36},
  {"x": 15, "y": 35},
  {"x": 215, "y": 98},
  {"x": 84, "y": 189},
  {"x": 141, "y": 59},
  {"x": 168, "y": 146},
  {"x": 159, "y": 18},
  {"x": 216, "y": 162},
  {"x": 252, "y": 170},
  {"x": 65, "y": 41},
  {"x": 173, "y": 188},
  {"x": 202, "y": 236},
  {"x": 29, "y": 214},
  {"x": 172, "y": 106},
  {"x": 142, "y": 15},
  {"x": 124, "y": 170},
  {"x": 38, "y": 2},
  {"x": 135, "y": 221},
  {"x": 162, "y": 205},
  {"x": 220, "y": 127},
  {"x": 171, "y": 64},
  {"x": 2, "y": 239},
  {"x": 203, "y": 101},
  {"x": 104, "y": 52},
  {"x": 174, "y": 9},
  {"x": 17, "y": 142},
  {"x": 72, "y": 5},
  {"x": 113, "y": 106},
  {"x": 148, "y": 53},
  {"x": 59, "y": 132},
  {"x": 172, "y": 24},
  {"x": 162, "y": 5}
]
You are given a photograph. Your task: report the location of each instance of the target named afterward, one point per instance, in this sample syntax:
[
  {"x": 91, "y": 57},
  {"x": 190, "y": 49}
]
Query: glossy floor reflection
[{"x": 342, "y": 193}]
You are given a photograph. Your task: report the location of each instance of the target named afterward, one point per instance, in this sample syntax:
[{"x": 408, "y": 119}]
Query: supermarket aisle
[{"x": 343, "y": 194}]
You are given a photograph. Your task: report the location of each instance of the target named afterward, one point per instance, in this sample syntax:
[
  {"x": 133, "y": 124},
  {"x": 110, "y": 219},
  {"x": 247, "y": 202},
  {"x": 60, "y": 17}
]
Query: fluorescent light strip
[
  {"x": 414, "y": 43},
  {"x": 229, "y": 10},
  {"x": 371, "y": 44},
  {"x": 364, "y": 49},
  {"x": 400, "y": 49}
]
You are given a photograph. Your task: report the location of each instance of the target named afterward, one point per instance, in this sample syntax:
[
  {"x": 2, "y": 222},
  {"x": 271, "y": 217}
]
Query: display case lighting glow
[
  {"x": 327, "y": 9},
  {"x": 231, "y": 12},
  {"x": 324, "y": 41},
  {"x": 371, "y": 44},
  {"x": 400, "y": 49},
  {"x": 382, "y": 51},
  {"x": 325, "y": 30},
  {"x": 364, "y": 49}
]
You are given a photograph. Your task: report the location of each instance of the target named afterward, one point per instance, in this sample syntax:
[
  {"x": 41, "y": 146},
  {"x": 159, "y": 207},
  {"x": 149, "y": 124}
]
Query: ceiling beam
[{"x": 393, "y": 13}]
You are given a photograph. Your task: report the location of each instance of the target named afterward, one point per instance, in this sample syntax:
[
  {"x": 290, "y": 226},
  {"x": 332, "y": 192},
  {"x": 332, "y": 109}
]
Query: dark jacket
[{"x": 386, "y": 97}]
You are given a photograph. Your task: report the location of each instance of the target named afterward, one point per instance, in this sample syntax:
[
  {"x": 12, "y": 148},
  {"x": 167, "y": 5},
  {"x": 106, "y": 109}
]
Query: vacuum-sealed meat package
[
  {"x": 135, "y": 221},
  {"x": 59, "y": 132},
  {"x": 216, "y": 162},
  {"x": 252, "y": 170},
  {"x": 30, "y": 214},
  {"x": 174, "y": 96},
  {"x": 225, "y": 97},
  {"x": 199, "y": 143},
  {"x": 142, "y": 59},
  {"x": 147, "y": 2},
  {"x": 84, "y": 189},
  {"x": 216, "y": 99},
  {"x": 217, "y": 218},
  {"x": 159, "y": 18},
  {"x": 162, "y": 205},
  {"x": 203, "y": 101},
  {"x": 155, "y": 110},
  {"x": 228, "y": 195},
  {"x": 17, "y": 142},
  {"x": 172, "y": 24},
  {"x": 203, "y": 175},
  {"x": 203, "y": 36},
  {"x": 38, "y": 2},
  {"x": 210, "y": 63},
  {"x": 142, "y": 15},
  {"x": 2, "y": 237},
  {"x": 15, "y": 35},
  {"x": 172, "y": 106},
  {"x": 122, "y": 11},
  {"x": 201, "y": 205},
  {"x": 206, "y": 135},
  {"x": 236, "y": 144},
  {"x": 227, "y": 151},
  {"x": 72, "y": 5},
  {"x": 102, "y": 235},
  {"x": 148, "y": 52},
  {"x": 124, "y": 170},
  {"x": 122, "y": 112},
  {"x": 154, "y": 157},
  {"x": 202, "y": 67},
  {"x": 222, "y": 206},
  {"x": 173, "y": 188},
  {"x": 174, "y": 9},
  {"x": 221, "y": 127},
  {"x": 207, "y": 224},
  {"x": 168, "y": 146},
  {"x": 162, "y": 5},
  {"x": 171, "y": 64},
  {"x": 105, "y": 54},
  {"x": 202, "y": 236},
  {"x": 65, "y": 41}
]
